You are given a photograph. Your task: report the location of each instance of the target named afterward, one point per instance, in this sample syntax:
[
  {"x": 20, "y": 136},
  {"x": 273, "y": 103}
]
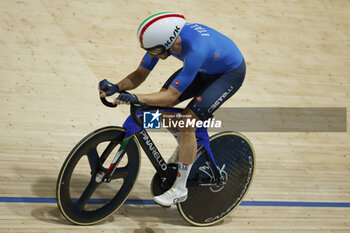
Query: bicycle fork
[{"x": 106, "y": 176}]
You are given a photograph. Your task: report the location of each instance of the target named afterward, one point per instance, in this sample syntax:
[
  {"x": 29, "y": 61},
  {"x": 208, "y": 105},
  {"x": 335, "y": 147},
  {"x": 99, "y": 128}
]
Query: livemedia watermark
[{"x": 256, "y": 119}]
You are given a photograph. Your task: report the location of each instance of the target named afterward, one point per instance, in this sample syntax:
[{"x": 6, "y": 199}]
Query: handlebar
[
  {"x": 107, "y": 103},
  {"x": 110, "y": 104},
  {"x": 134, "y": 108}
]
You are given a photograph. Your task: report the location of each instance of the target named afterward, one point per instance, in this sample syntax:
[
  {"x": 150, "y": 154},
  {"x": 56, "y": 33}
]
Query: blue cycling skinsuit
[{"x": 213, "y": 69}]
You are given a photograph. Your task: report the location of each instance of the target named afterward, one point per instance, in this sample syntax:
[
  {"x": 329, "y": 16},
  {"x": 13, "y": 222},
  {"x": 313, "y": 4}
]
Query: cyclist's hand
[
  {"x": 125, "y": 98},
  {"x": 107, "y": 88}
]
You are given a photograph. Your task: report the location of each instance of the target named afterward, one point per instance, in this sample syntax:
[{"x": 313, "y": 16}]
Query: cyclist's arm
[
  {"x": 164, "y": 98},
  {"x": 170, "y": 96},
  {"x": 134, "y": 79}
]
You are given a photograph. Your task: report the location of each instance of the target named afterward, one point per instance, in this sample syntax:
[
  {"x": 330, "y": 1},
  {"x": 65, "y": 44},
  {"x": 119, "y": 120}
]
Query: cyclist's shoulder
[
  {"x": 192, "y": 38},
  {"x": 198, "y": 30},
  {"x": 196, "y": 35}
]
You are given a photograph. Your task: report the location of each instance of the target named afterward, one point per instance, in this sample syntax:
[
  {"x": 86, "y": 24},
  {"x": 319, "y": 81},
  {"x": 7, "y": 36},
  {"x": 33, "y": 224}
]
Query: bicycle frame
[{"x": 135, "y": 128}]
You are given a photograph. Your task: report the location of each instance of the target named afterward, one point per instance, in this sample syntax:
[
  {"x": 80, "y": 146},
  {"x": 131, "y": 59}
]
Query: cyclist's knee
[
  {"x": 189, "y": 129},
  {"x": 173, "y": 104}
]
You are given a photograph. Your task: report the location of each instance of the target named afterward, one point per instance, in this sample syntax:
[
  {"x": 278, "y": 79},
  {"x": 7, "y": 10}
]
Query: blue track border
[{"x": 151, "y": 202}]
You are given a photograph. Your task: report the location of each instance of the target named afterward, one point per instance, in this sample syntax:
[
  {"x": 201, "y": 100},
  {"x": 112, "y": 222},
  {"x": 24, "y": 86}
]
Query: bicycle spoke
[
  {"x": 107, "y": 151},
  {"x": 94, "y": 161},
  {"x": 120, "y": 172},
  {"x": 85, "y": 196}
]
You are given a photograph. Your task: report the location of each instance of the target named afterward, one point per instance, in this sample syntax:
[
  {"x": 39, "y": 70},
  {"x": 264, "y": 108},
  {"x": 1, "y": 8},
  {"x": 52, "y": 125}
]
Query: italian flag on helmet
[{"x": 160, "y": 30}]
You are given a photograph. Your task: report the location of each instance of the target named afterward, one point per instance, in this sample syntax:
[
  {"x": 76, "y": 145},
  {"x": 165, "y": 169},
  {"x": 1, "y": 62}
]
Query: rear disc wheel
[{"x": 234, "y": 156}]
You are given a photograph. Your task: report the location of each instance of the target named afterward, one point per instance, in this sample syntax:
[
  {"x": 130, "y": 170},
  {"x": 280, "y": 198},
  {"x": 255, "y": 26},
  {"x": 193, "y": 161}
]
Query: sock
[{"x": 182, "y": 175}]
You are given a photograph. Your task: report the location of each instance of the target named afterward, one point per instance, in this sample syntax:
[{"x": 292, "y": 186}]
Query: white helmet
[{"x": 160, "y": 30}]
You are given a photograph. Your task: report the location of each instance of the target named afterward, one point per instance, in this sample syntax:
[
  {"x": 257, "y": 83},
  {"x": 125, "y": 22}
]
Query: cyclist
[{"x": 213, "y": 70}]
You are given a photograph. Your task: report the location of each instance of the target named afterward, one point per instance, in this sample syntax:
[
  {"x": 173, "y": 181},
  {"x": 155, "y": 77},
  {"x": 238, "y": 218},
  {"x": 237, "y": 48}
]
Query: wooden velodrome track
[{"x": 53, "y": 53}]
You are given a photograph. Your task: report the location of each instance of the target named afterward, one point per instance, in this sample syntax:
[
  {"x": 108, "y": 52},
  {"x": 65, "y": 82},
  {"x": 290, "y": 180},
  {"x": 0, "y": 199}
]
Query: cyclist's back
[{"x": 220, "y": 54}]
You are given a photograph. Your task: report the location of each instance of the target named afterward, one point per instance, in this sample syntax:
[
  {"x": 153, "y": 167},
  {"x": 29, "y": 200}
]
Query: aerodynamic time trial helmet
[{"x": 160, "y": 30}]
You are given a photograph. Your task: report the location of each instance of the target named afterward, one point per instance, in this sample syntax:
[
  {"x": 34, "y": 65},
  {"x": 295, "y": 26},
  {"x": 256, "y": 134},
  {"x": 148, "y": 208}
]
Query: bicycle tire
[
  {"x": 86, "y": 147},
  {"x": 235, "y": 156}
]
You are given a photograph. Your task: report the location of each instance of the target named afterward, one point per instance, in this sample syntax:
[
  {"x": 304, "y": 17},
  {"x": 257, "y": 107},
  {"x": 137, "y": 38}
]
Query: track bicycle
[{"x": 218, "y": 181}]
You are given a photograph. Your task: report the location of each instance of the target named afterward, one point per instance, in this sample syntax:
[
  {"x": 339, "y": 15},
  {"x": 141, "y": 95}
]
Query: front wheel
[
  {"x": 234, "y": 156},
  {"x": 82, "y": 197}
]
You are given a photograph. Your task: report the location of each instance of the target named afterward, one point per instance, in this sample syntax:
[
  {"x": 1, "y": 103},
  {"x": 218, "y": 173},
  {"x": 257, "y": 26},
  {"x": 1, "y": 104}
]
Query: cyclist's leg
[
  {"x": 193, "y": 90},
  {"x": 178, "y": 192},
  {"x": 188, "y": 147}
]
